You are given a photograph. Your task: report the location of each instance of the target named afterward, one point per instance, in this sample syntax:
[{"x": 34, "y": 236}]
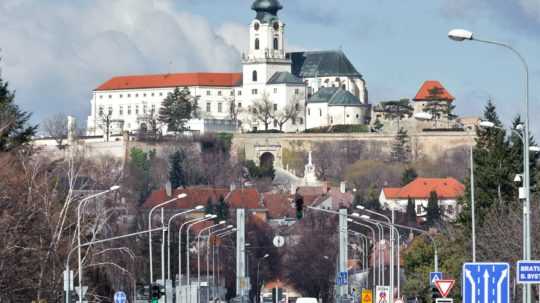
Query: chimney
[
  {"x": 168, "y": 189},
  {"x": 343, "y": 187}
]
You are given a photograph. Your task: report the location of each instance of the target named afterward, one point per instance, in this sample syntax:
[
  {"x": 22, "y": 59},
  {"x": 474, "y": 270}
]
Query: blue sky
[{"x": 56, "y": 51}]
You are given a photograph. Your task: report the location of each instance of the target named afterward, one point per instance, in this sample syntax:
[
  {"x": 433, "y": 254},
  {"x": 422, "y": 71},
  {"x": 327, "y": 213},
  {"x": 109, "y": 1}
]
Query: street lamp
[
  {"x": 259, "y": 287},
  {"x": 83, "y": 202},
  {"x": 198, "y": 207},
  {"x": 210, "y": 234},
  {"x": 180, "y": 196},
  {"x": 374, "y": 241},
  {"x": 222, "y": 235},
  {"x": 209, "y": 228},
  {"x": 461, "y": 35}
]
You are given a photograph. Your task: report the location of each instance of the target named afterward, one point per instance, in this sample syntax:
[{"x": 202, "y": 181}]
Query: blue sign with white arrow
[
  {"x": 528, "y": 272},
  {"x": 120, "y": 297},
  {"x": 486, "y": 282},
  {"x": 342, "y": 278},
  {"x": 434, "y": 276}
]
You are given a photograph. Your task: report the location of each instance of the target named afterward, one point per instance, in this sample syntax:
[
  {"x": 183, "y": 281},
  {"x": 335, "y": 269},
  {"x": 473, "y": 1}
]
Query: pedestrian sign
[
  {"x": 382, "y": 294},
  {"x": 434, "y": 276},
  {"x": 342, "y": 278},
  {"x": 367, "y": 296},
  {"x": 120, "y": 297},
  {"x": 486, "y": 282}
]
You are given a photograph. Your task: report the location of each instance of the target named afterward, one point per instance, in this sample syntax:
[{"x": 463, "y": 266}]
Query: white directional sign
[
  {"x": 120, "y": 297},
  {"x": 279, "y": 241}
]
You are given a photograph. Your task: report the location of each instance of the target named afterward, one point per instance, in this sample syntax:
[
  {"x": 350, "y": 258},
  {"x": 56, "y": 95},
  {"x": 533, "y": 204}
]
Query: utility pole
[
  {"x": 240, "y": 254},
  {"x": 343, "y": 253}
]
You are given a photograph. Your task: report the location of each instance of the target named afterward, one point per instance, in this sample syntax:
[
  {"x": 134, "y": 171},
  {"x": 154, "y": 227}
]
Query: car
[{"x": 307, "y": 300}]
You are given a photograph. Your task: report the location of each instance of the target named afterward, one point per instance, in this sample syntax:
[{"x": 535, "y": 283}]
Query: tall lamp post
[
  {"x": 462, "y": 35},
  {"x": 180, "y": 196},
  {"x": 212, "y": 234},
  {"x": 258, "y": 287},
  {"x": 209, "y": 228},
  {"x": 222, "y": 235},
  {"x": 81, "y": 204}
]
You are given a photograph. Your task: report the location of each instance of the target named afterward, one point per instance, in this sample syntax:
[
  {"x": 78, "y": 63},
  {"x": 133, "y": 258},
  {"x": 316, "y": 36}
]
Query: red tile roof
[
  {"x": 279, "y": 205},
  {"x": 426, "y": 92},
  {"x": 171, "y": 80},
  {"x": 195, "y": 196},
  {"x": 245, "y": 198},
  {"x": 446, "y": 188}
]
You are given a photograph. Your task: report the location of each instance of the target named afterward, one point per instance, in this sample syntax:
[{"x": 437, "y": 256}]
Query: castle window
[
  {"x": 220, "y": 107},
  {"x": 275, "y": 106},
  {"x": 301, "y": 120},
  {"x": 239, "y": 93},
  {"x": 348, "y": 116},
  {"x": 343, "y": 86},
  {"x": 129, "y": 110},
  {"x": 308, "y": 112},
  {"x": 357, "y": 116},
  {"x": 153, "y": 94},
  {"x": 276, "y": 43},
  {"x": 254, "y": 76},
  {"x": 144, "y": 108},
  {"x": 161, "y": 94},
  {"x": 208, "y": 93},
  {"x": 136, "y": 109},
  {"x": 100, "y": 111},
  {"x": 275, "y": 123},
  {"x": 129, "y": 96},
  {"x": 219, "y": 93},
  {"x": 121, "y": 95},
  {"x": 297, "y": 91},
  {"x": 239, "y": 105},
  {"x": 275, "y": 90},
  {"x": 121, "y": 110},
  {"x": 254, "y": 91},
  {"x": 320, "y": 112},
  {"x": 153, "y": 109},
  {"x": 110, "y": 96},
  {"x": 293, "y": 121},
  {"x": 257, "y": 43},
  {"x": 297, "y": 107},
  {"x": 101, "y": 96},
  {"x": 208, "y": 107}
]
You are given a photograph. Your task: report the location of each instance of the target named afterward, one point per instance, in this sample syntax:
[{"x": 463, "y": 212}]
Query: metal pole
[
  {"x": 169, "y": 240},
  {"x": 527, "y": 290},
  {"x": 180, "y": 247},
  {"x": 210, "y": 234},
  {"x": 163, "y": 250},
  {"x": 83, "y": 201},
  {"x": 199, "y": 257},
  {"x": 343, "y": 248},
  {"x": 188, "y": 274},
  {"x": 473, "y": 217}
]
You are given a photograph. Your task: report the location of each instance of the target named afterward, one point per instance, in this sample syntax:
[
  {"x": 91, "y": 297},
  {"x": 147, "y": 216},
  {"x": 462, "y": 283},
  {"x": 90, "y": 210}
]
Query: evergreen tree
[
  {"x": 140, "y": 171},
  {"x": 222, "y": 210},
  {"x": 433, "y": 215},
  {"x": 516, "y": 152},
  {"x": 177, "y": 175},
  {"x": 14, "y": 127},
  {"x": 409, "y": 175},
  {"x": 494, "y": 170},
  {"x": 410, "y": 213},
  {"x": 177, "y": 109},
  {"x": 401, "y": 151}
]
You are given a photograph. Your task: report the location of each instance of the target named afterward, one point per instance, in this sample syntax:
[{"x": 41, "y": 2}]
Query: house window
[
  {"x": 208, "y": 107},
  {"x": 208, "y": 93},
  {"x": 254, "y": 91},
  {"x": 275, "y": 123},
  {"x": 220, "y": 107},
  {"x": 275, "y": 90},
  {"x": 276, "y": 43},
  {"x": 254, "y": 76},
  {"x": 450, "y": 210},
  {"x": 257, "y": 43},
  {"x": 275, "y": 106},
  {"x": 129, "y": 110},
  {"x": 418, "y": 208},
  {"x": 121, "y": 110}
]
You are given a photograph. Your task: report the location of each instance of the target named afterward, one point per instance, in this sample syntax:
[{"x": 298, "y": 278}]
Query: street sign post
[
  {"x": 444, "y": 286},
  {"x": 486, "y": 282},
  {"x": 120, "y": 297},
  {"x": 81, "y": 292},
  {"x": 367, "y": 296},
  {"x": 342, "y": 278},
  {"x": 434, "y": 276},
  {"x": 528, "y": 272},
  {"x": 382, "y": 294}
]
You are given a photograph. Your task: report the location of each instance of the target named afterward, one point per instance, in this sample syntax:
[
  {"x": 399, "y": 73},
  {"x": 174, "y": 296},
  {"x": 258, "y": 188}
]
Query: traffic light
[
  {"x": 299, "y": 203},
  {"x": 155, "y": 293},
  {"x": 435, "y": 294}
]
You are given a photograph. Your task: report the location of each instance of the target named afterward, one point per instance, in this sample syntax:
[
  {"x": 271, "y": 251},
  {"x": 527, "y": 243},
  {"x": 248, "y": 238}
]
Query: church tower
[{"x": 266, "y": 53}]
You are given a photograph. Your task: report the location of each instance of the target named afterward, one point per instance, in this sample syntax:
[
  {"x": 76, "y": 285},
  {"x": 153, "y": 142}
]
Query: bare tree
[
  {"x": 56, "y": 127},
  {"x": 262, "y": 110},
  {"x": 290, "y": 112},
  {"x": 149, "y": 127}
]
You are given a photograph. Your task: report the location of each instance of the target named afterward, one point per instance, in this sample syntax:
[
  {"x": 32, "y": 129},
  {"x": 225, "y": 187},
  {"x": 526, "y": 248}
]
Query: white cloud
[{"x": 56, "y": 52}]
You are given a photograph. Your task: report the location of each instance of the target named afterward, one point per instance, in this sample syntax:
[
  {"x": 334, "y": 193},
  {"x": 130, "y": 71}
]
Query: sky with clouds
[{"x": 55, "y": 52}]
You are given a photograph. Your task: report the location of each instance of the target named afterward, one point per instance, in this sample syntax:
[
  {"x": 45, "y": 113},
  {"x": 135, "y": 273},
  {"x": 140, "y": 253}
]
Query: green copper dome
[{"x": 266, "y": 9}]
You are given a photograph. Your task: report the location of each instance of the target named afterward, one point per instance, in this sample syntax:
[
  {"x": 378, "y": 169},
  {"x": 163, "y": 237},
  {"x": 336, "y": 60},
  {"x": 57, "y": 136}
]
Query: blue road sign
[
  {"x": 486, "y": 282},
  {"x": 434, "y": 276},
  {"x": 120, "y": 297},
  {"x": 342, "y": 278},
  {"x": 528, "y": 272}
]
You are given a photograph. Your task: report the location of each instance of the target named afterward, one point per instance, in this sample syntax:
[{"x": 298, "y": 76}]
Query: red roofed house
[
  {"x": 130, "y": 101},
  {"x": 431, "y": 92},
  {"x": 448, "y": 191}
]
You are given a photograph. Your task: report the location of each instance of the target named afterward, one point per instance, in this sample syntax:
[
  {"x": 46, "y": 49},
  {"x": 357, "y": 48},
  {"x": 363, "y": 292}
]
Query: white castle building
[{"x": 322, "y": 87}]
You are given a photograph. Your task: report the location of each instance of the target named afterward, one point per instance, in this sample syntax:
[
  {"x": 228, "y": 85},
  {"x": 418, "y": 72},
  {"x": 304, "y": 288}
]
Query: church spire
[{"x": 266, "y": 10}]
